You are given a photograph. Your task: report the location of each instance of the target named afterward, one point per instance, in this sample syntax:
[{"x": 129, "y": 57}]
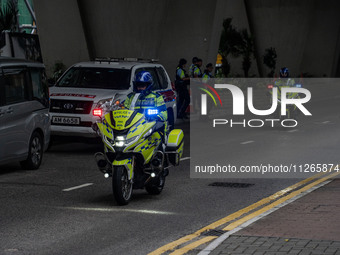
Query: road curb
[{"x": 212, "y": 246}]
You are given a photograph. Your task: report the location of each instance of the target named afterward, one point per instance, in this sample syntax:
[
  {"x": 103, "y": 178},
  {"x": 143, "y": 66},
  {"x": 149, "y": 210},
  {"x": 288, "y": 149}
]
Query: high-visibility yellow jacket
[{"x": 151, "y": 100}]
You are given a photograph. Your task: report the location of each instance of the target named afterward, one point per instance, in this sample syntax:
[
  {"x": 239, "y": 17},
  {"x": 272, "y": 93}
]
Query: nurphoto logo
[{"x": 286, "y": 101}]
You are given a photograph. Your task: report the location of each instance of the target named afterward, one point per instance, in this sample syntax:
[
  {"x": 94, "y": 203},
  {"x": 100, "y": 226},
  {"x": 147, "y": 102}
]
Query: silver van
[{"x": 24, "y": 117}]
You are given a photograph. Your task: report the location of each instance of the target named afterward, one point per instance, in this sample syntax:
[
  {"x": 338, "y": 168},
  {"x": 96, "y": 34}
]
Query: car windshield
[{"x": 102, "y": 78}]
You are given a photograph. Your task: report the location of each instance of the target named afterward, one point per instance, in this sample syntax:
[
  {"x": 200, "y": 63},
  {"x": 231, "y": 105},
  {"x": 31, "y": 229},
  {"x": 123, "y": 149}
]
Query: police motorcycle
[
  {"x": 284, "y": 82},
  {"x": 136, "y": 154},
  {"x": 291, "y": 110}
]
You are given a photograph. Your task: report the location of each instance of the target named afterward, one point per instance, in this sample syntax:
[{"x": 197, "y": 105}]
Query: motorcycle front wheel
[
  {"x": 156, "y": 186},
  {"x": 121, "y": 186}
]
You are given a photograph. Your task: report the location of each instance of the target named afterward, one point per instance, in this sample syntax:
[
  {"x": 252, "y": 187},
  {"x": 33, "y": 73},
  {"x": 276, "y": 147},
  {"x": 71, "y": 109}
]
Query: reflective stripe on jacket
[{"x": 137, "y": 101}]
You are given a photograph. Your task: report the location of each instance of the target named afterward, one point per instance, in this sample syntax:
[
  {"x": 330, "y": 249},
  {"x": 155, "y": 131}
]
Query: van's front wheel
[
  {"x": 35, "y": 153},
  {"x": 121, "y": 185}
]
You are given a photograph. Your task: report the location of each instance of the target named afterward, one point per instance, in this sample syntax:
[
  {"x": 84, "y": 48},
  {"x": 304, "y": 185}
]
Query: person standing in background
[
  {"x": 192, "y": 67},
  {"x": 196, "y": 73},
  {"x": 207, "y": 74},
  {"x": 181, "y": 84}
]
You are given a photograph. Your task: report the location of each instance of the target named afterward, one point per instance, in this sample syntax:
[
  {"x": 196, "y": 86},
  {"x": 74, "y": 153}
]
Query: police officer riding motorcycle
[
  {"x": 137, "y": 149},
  {"x": 283, "y": 82},
  {"x": 144, "y": 98}
]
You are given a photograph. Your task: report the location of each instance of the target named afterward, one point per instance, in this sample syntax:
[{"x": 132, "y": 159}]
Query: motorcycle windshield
[{"x": 123, "y": 119}]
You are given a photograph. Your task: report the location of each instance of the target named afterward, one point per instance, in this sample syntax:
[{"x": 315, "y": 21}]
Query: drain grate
[
  {"x": 231, "y": 184},
  {"x": 213, "y": 232}
]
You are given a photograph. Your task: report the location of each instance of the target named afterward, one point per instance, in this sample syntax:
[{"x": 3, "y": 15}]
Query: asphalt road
[{"x": 38, "y": 217}]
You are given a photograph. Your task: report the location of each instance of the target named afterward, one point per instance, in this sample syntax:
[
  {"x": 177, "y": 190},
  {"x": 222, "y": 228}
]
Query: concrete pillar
[
  {"x": 187, "y": 33},
  {"x": 322, "y": 49},
  {"x": 60, "y": 32},
  {"x": 304, "y": 33}
]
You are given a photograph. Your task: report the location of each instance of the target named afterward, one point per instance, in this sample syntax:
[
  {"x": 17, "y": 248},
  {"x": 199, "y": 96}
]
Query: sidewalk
[{"x": 309, "y": 225}]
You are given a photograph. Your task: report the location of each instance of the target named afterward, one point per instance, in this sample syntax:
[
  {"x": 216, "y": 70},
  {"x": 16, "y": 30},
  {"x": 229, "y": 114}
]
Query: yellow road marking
[
  {"x": 174, "y": 244},
  {"x": 193, "y": 245},
  {"x": 279, "y": 201}
]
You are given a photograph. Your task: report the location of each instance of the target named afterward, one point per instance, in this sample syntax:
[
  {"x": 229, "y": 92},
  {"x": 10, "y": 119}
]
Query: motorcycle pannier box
[{"x": 174, "y": 147}]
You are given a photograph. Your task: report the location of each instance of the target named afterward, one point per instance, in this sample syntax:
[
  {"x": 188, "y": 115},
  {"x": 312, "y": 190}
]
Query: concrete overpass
[{"x": 305, "y": 33}]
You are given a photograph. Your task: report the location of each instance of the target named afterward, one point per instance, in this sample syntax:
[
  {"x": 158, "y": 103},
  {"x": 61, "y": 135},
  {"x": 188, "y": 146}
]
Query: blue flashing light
[
  {"x": 298, "y": 85},
  {"x": 152, "y": 112}
]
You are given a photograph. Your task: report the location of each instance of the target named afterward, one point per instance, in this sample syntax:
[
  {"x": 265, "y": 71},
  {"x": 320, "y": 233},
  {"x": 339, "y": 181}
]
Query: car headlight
[
  {"x": 103, "y": 101},
  {"x": 117, "y": 102}
]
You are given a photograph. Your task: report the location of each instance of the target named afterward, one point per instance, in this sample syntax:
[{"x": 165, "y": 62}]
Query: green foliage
[
  {"x": 247, "y": 51},
  {"x": 58, "y": 69},
  {"x": 269, "y": 59},
  {"x": 8, "y": 17},
  {"x": 235, "y": 43},
  {"x": 230, "y": 43}
]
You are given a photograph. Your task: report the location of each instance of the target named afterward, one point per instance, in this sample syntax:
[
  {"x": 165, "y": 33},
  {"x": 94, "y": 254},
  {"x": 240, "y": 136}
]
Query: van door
[
  {"x": 16, "y": 109},
  {"x": 2, "y": 117}
]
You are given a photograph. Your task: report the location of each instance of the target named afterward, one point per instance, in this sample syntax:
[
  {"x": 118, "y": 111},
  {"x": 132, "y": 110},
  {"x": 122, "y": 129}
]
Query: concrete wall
[
  {"x": 322, "y": 50},
  {"x": 305, "y": 33},
  {"x": 60, "y": 32},
  {"x": 187, "y": 33},
  {"x": 166, "y": 30},
  {"x": 124, "y": 28}
]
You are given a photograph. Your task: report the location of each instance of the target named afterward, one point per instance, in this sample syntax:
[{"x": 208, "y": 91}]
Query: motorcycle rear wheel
[{"x": 121, "y": 186}]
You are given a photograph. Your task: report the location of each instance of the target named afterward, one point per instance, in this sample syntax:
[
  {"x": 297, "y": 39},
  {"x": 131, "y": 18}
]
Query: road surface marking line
[
  {"x": 277, "y": 202},
  {"x": 247, "y": 142},
  {"x": 193, "y": 245},
  {"x": 172, "y": 245},
  {"x": 293, "y": 130},
  {"x": 116, "y": 210},
  {"x": 325, "y": 122},
  {"x": 275, "y": 205},
  {"x": 185, "y": 158},
  {"x": 78, "y": 187},
  {"x": 212, "y": 246}
]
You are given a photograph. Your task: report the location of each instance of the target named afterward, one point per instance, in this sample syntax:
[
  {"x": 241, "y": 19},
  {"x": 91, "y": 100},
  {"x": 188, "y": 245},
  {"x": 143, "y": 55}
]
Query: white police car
[{"x": 84, "y": 87}]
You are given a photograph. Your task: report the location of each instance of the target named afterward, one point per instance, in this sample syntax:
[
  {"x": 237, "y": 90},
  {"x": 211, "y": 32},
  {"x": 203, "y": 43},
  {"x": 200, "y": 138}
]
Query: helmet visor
[{"x": 139, "y": 84}]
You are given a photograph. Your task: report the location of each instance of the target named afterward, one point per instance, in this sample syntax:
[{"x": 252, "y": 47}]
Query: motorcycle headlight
[{"x": 120, "y": 141}]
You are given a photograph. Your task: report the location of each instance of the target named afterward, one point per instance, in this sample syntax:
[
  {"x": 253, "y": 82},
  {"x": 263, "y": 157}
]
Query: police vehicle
[{"x": 78, "y": 94}]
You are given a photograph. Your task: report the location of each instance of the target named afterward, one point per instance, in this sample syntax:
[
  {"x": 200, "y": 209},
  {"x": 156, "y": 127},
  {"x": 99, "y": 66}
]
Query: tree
[
  {"x": 246, "y": 50},
  {"x": 8, "y": 16},
  {"x": 269, "y": 59},
  {"x": 230, "y": 43},
  {"x": 58, "y": 69}
]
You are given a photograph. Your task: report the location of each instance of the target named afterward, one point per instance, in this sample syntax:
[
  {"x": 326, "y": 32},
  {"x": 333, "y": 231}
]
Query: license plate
[{"x": 65, "y": 120}]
